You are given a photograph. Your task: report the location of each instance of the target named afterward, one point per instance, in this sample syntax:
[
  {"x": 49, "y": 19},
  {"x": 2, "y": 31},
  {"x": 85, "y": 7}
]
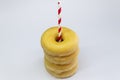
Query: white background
[{"x": 97, "y": 23}]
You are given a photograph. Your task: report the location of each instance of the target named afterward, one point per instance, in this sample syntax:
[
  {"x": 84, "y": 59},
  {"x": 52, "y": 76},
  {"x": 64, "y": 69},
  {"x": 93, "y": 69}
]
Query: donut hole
[{"x": 57, "y": 40}]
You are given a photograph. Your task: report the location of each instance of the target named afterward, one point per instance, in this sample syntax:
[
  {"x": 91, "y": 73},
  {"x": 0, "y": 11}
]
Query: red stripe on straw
[
  {"x": 59, "y": 21},
  {"x": 59, "y": 38},
  {"x": 59, "y": 10},
  {"x": 58, "y": 2},
  {"x": 59, "y": 29}
]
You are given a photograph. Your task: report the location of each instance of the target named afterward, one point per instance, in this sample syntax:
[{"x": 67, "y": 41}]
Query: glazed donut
[
  {"x": 64, "y": 74},
  {"x": 63, "y": 48},
  {"x": 60, "y": 68},
  {"x": 62, "y": 60}
]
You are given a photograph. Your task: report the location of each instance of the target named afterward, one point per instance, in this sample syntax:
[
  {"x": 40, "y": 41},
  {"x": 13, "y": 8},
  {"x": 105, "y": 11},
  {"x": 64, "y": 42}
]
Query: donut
[
  {"x": 63, "y": 74},
  {"x": 60, "y": 68},
  {"x": 62, "y": 60},
  {"x": 63, "y": 48}
]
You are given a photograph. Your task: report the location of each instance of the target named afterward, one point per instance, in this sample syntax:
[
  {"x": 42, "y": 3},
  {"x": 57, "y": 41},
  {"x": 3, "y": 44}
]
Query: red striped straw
[{"x": 59, "y": 23}]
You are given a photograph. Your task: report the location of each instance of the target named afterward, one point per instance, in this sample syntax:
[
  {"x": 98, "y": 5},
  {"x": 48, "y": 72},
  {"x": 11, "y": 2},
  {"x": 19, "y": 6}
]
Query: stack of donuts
[{"x": 60, "y": 58}]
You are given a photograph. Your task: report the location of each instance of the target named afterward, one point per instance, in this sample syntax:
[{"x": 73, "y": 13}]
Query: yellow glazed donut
[
  {"x": 60, "y": 68},
  {"x": 62, "y": 60},
  {"x": 64, "y": 48},
  {"x": 63, "y": 74}
]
